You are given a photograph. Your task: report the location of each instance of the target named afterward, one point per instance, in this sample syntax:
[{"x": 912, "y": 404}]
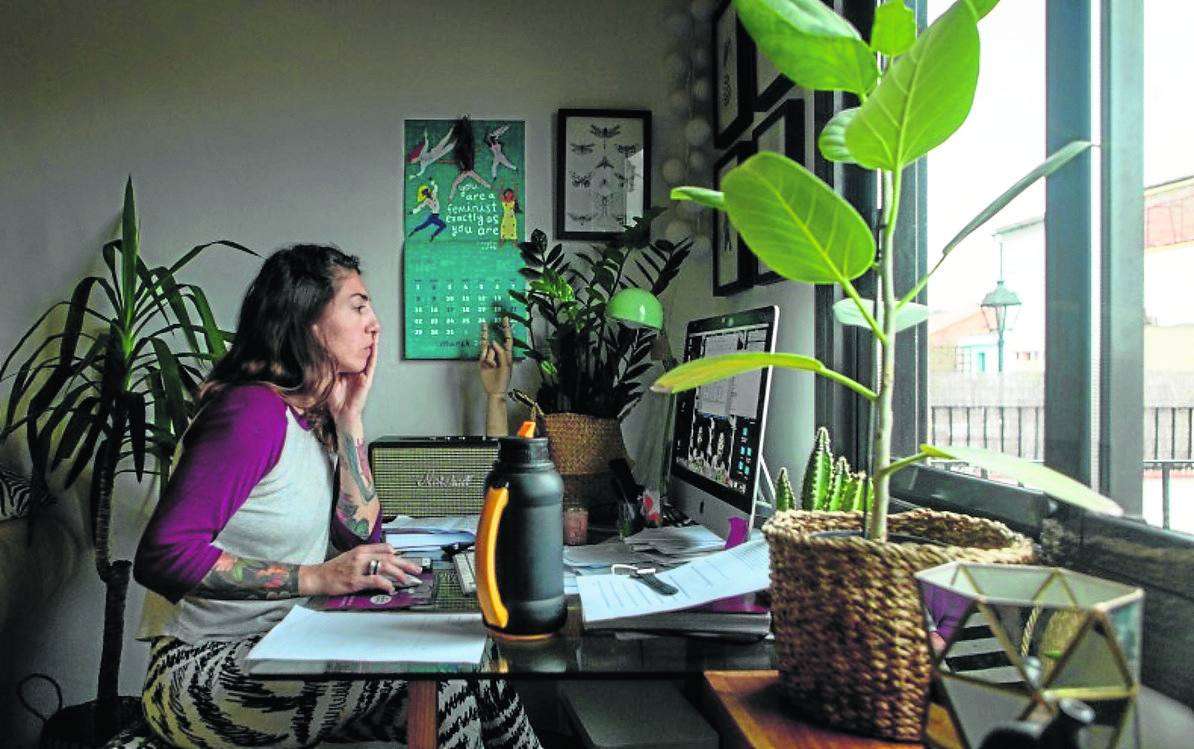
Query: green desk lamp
[{"x": 636, "y": 308}]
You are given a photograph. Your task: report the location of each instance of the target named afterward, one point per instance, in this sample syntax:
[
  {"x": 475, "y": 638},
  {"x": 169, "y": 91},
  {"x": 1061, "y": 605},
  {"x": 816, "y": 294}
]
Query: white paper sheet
[
  {"x": 374, "y": 636},
  {"x": 424, "y": 540},
  {"x": 742, "y": 569},
  {"x": 443, "y": 524}
]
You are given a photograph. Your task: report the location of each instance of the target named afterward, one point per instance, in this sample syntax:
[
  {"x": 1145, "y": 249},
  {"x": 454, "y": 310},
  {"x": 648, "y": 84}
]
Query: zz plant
[
  {"x": 589, "y": 364},
  {"x": 110, "y": 389},
  {"x": 913, "y": 93}
]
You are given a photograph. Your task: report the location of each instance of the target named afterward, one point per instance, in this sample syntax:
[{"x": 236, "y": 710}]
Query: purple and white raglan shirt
[{"x": 252, "y": 480}]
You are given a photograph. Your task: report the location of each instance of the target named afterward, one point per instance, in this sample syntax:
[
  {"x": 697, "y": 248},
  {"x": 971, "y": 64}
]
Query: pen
[{"x": 457, "y": 547}]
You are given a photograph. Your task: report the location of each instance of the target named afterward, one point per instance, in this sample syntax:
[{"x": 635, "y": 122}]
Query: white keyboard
[{"x": 465, "y": 563}]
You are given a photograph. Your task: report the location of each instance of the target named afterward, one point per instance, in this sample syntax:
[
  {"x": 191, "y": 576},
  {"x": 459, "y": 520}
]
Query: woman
[{"x": 242, "y": 533}]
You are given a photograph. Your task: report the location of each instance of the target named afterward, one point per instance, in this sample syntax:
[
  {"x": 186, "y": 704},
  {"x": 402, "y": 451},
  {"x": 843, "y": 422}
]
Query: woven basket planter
[
  {"x": 581, "y": 447},
  {"x": 849, "y": 632}
]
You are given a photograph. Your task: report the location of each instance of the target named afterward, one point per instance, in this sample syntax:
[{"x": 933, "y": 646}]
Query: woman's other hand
[
  {"x": 354, "y": 571},
  {"x": 347, "y": 402}
]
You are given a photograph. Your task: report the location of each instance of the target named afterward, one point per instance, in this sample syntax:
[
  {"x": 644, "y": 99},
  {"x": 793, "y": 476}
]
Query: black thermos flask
[{"x": 520, "y": 541}]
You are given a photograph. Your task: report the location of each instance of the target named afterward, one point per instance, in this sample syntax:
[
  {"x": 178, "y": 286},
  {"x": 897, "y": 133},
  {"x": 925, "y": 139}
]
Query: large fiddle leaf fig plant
[
  {"x": 913, "y": 92},
  {"x": 110, "y": 387}
]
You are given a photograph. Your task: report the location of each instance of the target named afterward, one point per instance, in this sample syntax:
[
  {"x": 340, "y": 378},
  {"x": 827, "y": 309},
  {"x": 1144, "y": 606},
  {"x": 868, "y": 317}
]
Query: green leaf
[
  {"x": 703, "y": 195},
  {"x": 130, "y": 248},
  {"x": 1033, "y": 475},
  {"x": 982, "y": 7},
  {"x": 894, "y": 28},
  {"x": 923, "y": 98},
  {"x": 1057, "y": 160},
  {"x": 713, "y": 368},
  {"x": 796, "y": 223},
  {"x": 172, "y": 385},
  {"x": 846, "y": 312},
  {"x": 76, "y": 427},
  {"x": 194, "y": 252},
  {"x": 832, "y": 142},
  {"x": 135, "y": 404},
  {"x": 211, "y": 331},
  {"x": 810, "y": 44}
]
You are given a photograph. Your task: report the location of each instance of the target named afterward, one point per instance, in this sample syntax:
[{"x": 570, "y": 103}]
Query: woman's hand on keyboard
[{"x": 365, "y": 567}]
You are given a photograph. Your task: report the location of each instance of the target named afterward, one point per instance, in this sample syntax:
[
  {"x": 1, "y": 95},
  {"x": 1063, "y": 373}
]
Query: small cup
[{"x": 576, "y": 524}]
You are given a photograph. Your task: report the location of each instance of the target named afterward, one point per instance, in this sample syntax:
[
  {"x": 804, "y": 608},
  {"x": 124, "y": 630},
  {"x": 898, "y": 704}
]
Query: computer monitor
[{"x": 717, "y": 439}]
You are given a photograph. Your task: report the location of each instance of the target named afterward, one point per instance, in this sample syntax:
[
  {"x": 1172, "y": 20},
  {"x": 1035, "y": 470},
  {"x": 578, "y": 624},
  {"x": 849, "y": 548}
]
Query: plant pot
[
  {"x": 849, "y": 629},
  {"x": 581, "y": 447}
]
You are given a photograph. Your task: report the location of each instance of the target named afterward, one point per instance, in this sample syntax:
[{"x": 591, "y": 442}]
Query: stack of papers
[
  {"x": 596, "y": 560},
  {"x": 387, "y": 636},
  {"x": 675, "y": 543},
  {"x": 429, "y": 535},
  {"x": 742, "y": 569}
]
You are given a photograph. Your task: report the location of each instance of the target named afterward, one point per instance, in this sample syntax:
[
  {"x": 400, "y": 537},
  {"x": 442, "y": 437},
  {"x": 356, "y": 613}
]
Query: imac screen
[{"x": 718, "y": 431}]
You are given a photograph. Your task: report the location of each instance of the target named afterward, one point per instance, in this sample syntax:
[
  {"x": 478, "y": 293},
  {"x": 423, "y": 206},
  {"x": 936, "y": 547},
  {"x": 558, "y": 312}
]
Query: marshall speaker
[{"x": 431, "y": 476}]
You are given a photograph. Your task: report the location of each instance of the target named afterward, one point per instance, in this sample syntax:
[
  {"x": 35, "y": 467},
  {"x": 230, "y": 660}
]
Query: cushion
[{"x": 16, "y": 494}]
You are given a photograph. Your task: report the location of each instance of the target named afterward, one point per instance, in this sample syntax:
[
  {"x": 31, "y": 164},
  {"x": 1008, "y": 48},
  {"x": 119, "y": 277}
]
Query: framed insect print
[
  {"x": 731, "y": 258},
  {"x": 603, "y": 171},
  {"x": 770, "y": 84},
  {"x": 782, "y": 132},
  {"x": 733, "y": 76}
]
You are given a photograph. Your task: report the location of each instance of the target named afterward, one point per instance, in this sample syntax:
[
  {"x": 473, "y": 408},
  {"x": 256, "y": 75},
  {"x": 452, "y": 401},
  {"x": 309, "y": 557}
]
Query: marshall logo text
[{"x": 446, "y": 480}]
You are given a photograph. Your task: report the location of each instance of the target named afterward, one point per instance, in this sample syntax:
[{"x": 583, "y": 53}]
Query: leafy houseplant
[
  {"x": 588, "y": 363},
  {"x": 108, "y": 389},
  {"x": 913, "y": 93}
]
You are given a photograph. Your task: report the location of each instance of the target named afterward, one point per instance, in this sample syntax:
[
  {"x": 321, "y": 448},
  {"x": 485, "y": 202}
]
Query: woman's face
[{"x": 348, "y": 327}]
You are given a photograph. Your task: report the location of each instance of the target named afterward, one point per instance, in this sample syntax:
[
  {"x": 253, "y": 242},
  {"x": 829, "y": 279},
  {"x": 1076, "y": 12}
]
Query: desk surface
[
  {"x": 749, "y": 711},
  {"x": 571, "y": 652}
]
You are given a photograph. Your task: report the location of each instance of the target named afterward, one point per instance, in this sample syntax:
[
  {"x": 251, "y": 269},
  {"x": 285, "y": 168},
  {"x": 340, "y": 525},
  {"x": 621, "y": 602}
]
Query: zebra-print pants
[{"x": 200, "y": 695}]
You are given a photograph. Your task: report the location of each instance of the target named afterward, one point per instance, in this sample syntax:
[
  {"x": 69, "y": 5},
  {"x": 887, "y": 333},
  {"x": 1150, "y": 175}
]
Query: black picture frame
[
  {"x": 732, "y": 260},
  {"x": 783, "y": 131},
  {"x": 602, "y": 183},
  {"x": 770, "y": 84},
  {"x": 733, "y": 76}
]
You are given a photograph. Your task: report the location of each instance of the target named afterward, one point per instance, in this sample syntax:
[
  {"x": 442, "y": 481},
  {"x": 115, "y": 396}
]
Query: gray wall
[{"x": 271, "y": 122}]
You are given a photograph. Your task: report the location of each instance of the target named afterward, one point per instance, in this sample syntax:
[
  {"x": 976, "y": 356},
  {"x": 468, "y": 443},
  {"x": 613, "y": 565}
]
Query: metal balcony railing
[{"x": 1019, "y": 430}]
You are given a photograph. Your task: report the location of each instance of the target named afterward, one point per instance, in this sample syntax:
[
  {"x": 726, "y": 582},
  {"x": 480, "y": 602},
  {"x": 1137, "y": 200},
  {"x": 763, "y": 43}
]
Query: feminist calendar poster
[{"x": 463, "y": 217}]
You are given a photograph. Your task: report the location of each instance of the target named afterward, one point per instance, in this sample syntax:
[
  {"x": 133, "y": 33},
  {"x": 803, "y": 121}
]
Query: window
[
  {"x": 1168, "y": 250},
  {"x": 987, "y": 302}
]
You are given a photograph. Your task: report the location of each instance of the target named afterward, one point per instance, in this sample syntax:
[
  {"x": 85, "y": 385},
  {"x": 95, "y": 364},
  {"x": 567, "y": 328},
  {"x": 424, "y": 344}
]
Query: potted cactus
[{"x": 851, "y": 646}]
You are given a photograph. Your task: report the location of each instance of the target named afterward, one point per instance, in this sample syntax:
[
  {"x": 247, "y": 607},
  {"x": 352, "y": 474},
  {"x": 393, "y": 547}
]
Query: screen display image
[{"x": 718, "y": 432}]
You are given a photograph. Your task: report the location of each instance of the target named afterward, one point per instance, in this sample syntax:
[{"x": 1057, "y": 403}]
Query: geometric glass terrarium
[{"x": 1012, "y": 640}]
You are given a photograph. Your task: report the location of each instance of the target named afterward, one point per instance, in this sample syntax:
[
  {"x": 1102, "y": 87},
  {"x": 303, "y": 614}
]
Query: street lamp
[{"x": 1000, "y": 307}]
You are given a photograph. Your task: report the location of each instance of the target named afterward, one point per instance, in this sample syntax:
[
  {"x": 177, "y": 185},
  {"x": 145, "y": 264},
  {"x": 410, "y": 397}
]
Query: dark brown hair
[{"x": 275, "y": 344}]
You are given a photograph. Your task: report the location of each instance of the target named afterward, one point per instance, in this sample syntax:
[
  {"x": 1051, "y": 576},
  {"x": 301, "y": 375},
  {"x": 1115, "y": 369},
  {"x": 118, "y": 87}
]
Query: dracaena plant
[
  {"x": 914, "y": 91},
  {"x": 111, "y": 387},
  {"x": 588, "y": 363}
]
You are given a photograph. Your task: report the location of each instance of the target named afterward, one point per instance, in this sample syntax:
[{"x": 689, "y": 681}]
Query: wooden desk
[{"x": 747, "y": 709}]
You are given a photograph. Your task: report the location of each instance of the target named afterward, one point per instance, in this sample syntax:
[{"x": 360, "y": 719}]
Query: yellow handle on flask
[{"x": 488, "y": 596}]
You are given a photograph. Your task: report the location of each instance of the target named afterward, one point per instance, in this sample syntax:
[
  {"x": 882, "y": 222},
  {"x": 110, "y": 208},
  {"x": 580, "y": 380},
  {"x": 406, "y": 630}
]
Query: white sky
[{"x": 1004, "y": 135}]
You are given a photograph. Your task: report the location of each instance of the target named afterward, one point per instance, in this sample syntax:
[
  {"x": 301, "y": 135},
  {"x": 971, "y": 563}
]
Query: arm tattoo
[
  {"x": 354, "y": 474},
  {"x": 238, "y": 578}
]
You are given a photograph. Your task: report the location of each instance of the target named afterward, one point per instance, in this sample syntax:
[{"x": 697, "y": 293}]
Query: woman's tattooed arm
[
  {"x": 234, "y": 577},
  {"x": 357, "y": 506}
]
